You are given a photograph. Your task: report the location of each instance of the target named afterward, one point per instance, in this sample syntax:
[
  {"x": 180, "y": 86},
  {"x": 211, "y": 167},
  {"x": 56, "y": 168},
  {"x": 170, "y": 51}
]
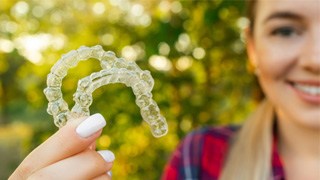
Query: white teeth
[{"x": 312, "y": 90}]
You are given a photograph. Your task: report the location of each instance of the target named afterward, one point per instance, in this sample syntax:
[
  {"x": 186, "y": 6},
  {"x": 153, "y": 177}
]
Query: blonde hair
[{"x": 250, "y": 155}]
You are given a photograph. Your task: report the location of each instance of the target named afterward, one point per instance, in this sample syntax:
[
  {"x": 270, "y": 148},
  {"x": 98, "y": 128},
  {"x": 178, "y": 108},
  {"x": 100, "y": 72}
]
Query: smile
[
  {"x": 308, "y": 92},
  {"x": 308, "y": 89}
]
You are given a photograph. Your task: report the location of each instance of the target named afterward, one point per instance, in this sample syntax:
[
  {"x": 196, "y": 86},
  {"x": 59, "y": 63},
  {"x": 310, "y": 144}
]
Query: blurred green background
[{"x": 194, "y": 49}]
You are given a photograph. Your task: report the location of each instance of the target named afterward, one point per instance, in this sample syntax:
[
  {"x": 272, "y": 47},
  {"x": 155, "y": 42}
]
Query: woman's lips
[{"x": 307, "y": 91}]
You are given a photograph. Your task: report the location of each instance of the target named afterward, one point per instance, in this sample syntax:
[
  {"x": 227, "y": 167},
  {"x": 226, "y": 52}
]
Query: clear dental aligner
[{"x": 114, "y": 70}]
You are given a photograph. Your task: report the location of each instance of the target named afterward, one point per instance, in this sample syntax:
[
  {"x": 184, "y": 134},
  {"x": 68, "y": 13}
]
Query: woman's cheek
[{"x": 275, "y": 61}]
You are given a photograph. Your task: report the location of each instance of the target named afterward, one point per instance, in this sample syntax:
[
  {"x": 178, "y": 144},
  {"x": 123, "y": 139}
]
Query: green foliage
[{"x": 193, "y": 49}]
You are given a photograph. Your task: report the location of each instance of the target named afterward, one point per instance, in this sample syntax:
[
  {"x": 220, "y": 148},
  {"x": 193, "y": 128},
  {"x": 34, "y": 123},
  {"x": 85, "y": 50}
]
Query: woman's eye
[{"x": 284, "y": 31}]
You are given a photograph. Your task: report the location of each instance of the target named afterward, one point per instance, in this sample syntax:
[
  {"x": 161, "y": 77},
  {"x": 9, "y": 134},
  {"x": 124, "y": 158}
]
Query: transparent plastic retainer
[{"x": 114, "y": 70}]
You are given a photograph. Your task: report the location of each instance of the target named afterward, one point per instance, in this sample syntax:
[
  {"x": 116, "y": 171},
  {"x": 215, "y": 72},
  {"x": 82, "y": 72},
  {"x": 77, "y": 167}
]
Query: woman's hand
[{"x": 69, "y": 154}]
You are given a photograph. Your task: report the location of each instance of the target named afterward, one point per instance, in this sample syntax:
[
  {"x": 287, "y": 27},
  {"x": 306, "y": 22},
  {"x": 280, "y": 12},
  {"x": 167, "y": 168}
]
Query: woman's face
[{"x": 285, "y": 49}]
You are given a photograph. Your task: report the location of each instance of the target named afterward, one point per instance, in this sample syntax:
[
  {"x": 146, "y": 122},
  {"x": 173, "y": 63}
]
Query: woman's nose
[{"x": 311, "y": 57}]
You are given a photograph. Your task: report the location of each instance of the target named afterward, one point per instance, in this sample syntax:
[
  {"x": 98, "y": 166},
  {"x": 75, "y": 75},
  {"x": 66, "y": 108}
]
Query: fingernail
[
  {"x": 107, "y": 155},
  {"x": 91, "y": 125}
]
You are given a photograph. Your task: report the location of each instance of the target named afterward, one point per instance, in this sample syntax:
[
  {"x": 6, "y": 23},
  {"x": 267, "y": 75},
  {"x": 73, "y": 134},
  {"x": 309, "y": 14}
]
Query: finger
[
  {"x": 85, "y": 165},
  {"x": 71, "y": 139}
]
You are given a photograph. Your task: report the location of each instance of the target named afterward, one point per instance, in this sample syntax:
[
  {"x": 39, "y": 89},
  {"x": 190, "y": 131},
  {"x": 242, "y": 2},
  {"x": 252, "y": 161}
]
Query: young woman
[{"x": 281, "y": 140}]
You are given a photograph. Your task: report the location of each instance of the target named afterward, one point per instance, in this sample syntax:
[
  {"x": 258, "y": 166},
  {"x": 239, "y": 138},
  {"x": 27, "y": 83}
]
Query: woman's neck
[
  {"x": 299, "y": 148},
  {"x": 298, "y": 140}
]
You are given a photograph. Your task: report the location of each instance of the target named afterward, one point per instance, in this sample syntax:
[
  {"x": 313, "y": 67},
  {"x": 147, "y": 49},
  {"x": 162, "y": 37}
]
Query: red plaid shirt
[{"x": 202, "y": 153}]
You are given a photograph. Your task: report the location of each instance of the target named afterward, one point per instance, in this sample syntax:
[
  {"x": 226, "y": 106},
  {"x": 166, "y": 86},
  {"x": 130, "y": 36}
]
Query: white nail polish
[
  {"x": 91, "y": 125},
  {"x": 107, "y": 155}
]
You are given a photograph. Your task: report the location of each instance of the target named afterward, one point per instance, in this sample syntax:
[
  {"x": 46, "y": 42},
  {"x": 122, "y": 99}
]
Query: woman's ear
[{"x": 251, "y": 50}]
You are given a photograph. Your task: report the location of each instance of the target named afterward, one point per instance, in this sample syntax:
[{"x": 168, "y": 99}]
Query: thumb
[{"x": 74, "y": 137}]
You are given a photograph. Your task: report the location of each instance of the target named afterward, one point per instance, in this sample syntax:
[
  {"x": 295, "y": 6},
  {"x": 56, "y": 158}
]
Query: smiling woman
[
  {"x": 283, "y": 46},
  {"x": 281, "y": 139}
]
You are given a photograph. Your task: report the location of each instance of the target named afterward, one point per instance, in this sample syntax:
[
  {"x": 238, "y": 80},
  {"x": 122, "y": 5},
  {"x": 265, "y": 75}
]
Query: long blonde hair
[{"x": 250, "y": 155}]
